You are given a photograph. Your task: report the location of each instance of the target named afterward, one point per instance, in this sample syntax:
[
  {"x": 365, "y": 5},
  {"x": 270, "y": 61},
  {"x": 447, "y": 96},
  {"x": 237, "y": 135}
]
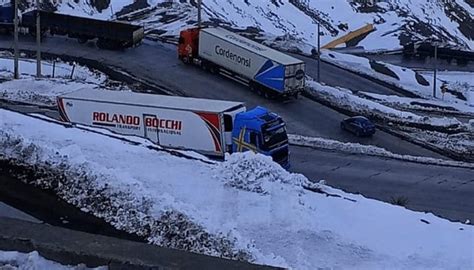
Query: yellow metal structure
[{"x": 351, "y": 35}]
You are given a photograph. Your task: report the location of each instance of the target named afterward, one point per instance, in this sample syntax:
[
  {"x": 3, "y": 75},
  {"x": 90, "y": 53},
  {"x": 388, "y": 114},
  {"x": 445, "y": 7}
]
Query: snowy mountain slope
[{"x": 396, "y": 21}]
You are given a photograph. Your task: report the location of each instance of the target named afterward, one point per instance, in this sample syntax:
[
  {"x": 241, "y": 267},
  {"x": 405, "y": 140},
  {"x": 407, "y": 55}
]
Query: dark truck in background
[
  {"x": 108, "y": 34},
  {"x": 447, "y": 52}
]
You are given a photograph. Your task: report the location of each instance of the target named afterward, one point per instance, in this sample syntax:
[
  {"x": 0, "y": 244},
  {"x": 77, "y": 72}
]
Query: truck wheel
[
  {"x": 252, "y": 87},
  {"x": 185, "y": 60},
  {"x": 268, "y": 95},
  {"x": 213, "y": 70}
]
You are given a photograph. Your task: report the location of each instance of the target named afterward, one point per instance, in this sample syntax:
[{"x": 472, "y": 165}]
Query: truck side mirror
[
  {"x": 253, "y": 138},
  {"x": 228, "y": 125}
]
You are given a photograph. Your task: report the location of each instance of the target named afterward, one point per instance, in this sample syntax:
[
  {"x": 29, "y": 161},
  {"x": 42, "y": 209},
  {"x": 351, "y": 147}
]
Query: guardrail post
[
  {"x": 319, "y": 52},
  {"x": 435, "y": 69},
  {"x": 38, "y": 41},
  {"x": 15, "y": 43}
]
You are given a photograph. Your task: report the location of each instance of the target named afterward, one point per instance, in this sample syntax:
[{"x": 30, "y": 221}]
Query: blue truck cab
[{"x": 261, "y": 131}]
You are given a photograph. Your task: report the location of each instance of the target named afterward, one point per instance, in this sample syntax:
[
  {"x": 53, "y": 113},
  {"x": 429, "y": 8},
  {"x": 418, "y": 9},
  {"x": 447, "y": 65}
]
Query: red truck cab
[{"x": 188, "y": 44}]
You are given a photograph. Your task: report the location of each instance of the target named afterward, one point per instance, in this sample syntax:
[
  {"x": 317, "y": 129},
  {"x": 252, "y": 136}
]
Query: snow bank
[
  {"x": 246, "y": 208},
  {"x": 345, "y": 99},
  {"x": 31, "y": 261},
  {"x": 418, "y": 104},
  {"x": 356, "y": 148},
  {"x": 420, "y": 84},
  {"x": 39, "y": 92}
]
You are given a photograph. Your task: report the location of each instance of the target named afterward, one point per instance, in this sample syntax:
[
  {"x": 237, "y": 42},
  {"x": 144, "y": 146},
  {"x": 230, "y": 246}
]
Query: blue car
[{"x": 359, "y": 125}]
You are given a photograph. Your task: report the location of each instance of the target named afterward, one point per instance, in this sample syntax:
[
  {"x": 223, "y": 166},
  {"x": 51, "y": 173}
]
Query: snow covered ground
[
  {"x": 459, "y": 82},
  {"x": 418, "y": 104},
  {"x": 244, "y": 208},
  {"x": 44, "y": 91},
  {"x": 27, "y": 67},
  {"x": 460, "y": 85},
  {"x": 12, "y": 260},
  {"x": 356, "y": 148}
]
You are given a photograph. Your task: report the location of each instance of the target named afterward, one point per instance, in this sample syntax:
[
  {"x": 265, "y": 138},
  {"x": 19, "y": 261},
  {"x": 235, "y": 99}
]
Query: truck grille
[{"x": 281, "y": 155}]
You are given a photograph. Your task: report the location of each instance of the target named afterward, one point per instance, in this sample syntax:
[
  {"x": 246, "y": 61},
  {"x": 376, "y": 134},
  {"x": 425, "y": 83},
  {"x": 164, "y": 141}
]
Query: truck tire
[
  {"x": 268, "y": 95},
  {"x": 82, "y": 40},
  {"x": 252, "y": 87},
  {"x": 185, "y": 60},
  {"x": 213, "y": 69}
]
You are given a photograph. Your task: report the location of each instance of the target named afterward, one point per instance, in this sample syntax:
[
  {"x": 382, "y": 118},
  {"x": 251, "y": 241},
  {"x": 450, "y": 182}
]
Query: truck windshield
[{"x": 274, "y": 137}]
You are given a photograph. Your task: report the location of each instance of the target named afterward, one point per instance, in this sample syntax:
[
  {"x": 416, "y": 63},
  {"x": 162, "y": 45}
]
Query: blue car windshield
[{"x": 364, "y": 123}]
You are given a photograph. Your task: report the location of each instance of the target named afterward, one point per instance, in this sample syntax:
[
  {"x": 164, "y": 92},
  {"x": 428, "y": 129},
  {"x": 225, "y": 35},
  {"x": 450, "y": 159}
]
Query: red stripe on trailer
[
  {"x": 212, "y": 123},
  {"x": 62, "y": 111}
]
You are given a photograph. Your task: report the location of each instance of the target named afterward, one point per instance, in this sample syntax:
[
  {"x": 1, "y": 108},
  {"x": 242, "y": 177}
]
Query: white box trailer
[
  {"x": 247, "y": 60},
  {"x": 177, "y": 122}
]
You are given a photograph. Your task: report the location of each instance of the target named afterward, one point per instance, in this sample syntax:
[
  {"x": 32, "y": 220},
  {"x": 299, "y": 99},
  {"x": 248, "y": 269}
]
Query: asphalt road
[
  {"x": 335, "y": 76},
  {"x": 11, "y": 212},
  {"x": 158, "y": 63},
  {"x": 445, "y": 191}
]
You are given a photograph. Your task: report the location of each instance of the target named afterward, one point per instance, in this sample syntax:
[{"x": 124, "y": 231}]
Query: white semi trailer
[
  {"x": 268, "y": 71},
  {"x": 210, "y": 127}
]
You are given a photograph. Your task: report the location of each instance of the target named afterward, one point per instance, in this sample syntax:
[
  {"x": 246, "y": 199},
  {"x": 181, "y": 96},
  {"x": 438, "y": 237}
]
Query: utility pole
[
  {"x": 199, "y": 13},
  {"x": 15, "y": 42},
  {"x": 319, "y": 52},
  {"x": 38, "y": 41},
  {"x": 435, "y": 69}
]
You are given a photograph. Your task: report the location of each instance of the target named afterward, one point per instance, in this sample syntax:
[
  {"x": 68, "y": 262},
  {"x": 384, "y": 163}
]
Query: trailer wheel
[
  {"x": 252, "y": 86},
  {"x": 82, "y": 40},
  {"x": 213, "y": 69},
  {"x": 268, "y": 95}
]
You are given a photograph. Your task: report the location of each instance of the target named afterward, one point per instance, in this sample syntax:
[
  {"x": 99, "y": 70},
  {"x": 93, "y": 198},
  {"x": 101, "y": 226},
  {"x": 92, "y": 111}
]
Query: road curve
[
  {"x": 155, "y": 62},
  {"x": 158, "y": 63}
]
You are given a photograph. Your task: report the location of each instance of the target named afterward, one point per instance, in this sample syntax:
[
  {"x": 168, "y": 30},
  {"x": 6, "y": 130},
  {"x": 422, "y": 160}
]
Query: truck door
[
  {"x": 151, "y": 128},
  {"x": 247, "y": 139}
]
